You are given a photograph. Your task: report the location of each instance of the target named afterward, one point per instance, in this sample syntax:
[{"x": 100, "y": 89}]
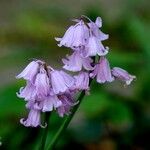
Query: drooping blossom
[
  {"x": 76, "y": 62},
  {"x": 60, "y": 81},
  {"x": 37, "y": 93},
  {"x": 66, "y": 40},
  {"x": 80, "y": 36},
  {"x": 68, "y": 102},
  {"x": 94, "y": 47},
  {"x": 38, "y": 89},
  {"x": 94, "y": 28},
  {"x": 76, "y": 36},
  {"x": 33, "y": 119},
  {"x": 85, "y": 36},
  {"x": 50, "y": 103},
  {"x": 82, "y": 81},
  {"x": 123, "y": 75},
  {"x": 30, "y": 71},
  {"x": 43, "y": 93},
  {"x": 102, "y": 71}
]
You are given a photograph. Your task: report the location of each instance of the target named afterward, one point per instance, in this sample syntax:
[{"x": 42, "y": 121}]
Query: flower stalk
[
  {"x": 65, "y": 123},
  {"x": 45, "y": 132}
]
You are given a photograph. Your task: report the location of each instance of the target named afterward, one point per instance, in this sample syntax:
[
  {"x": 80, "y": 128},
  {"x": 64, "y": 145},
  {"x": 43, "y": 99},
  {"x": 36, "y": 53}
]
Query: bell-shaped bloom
[
  {"x": 28, "y": 92},
  {"x": 94, "y": 47},
  {"x": 67, "y": 103},
  {"x": 102, "y": 71},
  {"x": 50, "y": 103},
  {"x": 76, "y": 36},
  {"x": 94, "y": 27},
  {"x": 81, "y": 35},
  {"x": 30, "y": 71},
  {"x": 60, "y": 81},
  {"x": 67, "y": 39},
  {"x": 33, "y": 119},
  {"x": 82, "y": 81},
  {"x": 123, "y": 75},
  {"x": 42, "y": 84},
  {"x": 75, "y": 62}
]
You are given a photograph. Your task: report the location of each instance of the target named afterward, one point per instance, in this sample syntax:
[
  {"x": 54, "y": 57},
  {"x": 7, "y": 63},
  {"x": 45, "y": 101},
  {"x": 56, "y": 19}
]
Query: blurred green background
[{"x": 112, "y": 117}]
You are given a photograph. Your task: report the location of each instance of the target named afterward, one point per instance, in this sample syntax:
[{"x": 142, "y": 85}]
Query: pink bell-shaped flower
[{"x": 102, "y": 71}]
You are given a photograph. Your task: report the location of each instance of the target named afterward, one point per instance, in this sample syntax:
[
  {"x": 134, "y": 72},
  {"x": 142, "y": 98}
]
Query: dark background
[{"x": 113, "y": 116}]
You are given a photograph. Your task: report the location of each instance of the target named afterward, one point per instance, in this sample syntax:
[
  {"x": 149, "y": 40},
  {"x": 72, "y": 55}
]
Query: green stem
[
  {"x": 65, "y": 122},
  {"x": 45, "y": 132}
]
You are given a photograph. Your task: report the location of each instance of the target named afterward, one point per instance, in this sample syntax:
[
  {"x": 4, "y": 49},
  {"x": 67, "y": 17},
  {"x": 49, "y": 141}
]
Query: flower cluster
[
  {"x": 48, "y": 89},
  {"x": 85, "y": 39}
]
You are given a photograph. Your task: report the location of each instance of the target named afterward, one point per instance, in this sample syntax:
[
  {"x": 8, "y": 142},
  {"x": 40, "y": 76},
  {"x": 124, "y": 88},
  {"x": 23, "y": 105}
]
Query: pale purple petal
[
  {"x": 97, "y": 33},
  {"x": 68, "y": 79},
  {"x": 30, "y": 71},
  {"x": 102, "y": 71},
  {"x": 67, "y": 39},
  {"x": 76, "y": 36},
  {"x": 81, "y": 34},
  {"x": 67, "y": 103},
  {"x": 102, "y": 36},
  {"x": 28, "y": 92},
  {"x": 94, "y": 73},
  {"x": 33, "y": 119},
  {"x": 75, "y": 62},
  {"x": 82, "y": 81},
  {"x": 30, "y": 104},
  {"x": 98, "y": 22},
  {"x": 34, "y": 105},
  {"x": 123, "y": 75},
  {"x": 87, "y": 63},
  {"x": 42, "y": 84},
  {"x": 94, "y": 47},
  {"x": 60, "y": 81},
  {"x": 50, "y": 103}
]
